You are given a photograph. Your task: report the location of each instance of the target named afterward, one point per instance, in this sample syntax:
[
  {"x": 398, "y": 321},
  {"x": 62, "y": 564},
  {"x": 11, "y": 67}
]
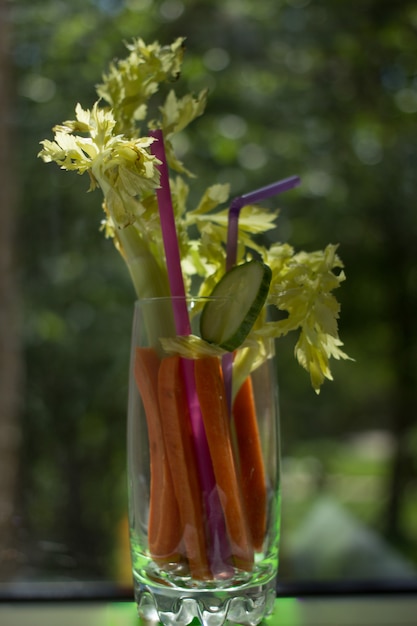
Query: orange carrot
[
  {"x": 164, "y": 525},
  {"x": 211, "y": 394},
  {"x": 252, "y": 471},
  {"x": 182, "y": 460}
]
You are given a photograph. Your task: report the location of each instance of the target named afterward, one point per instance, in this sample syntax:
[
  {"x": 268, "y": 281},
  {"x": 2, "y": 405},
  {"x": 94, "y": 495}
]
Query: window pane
[{"x": 295, "y": 87}]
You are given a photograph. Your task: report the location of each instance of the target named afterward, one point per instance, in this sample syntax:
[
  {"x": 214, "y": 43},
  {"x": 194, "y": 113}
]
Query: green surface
[{"x": 362, "y": 611}]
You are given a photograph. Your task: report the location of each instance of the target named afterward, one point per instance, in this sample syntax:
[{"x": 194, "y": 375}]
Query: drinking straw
[
  {"x": 219, "y": 549},
  {"x": 250, "y": 198},
  {"x": 231, "y": 250},
  {"x": 170, "y": 240}
]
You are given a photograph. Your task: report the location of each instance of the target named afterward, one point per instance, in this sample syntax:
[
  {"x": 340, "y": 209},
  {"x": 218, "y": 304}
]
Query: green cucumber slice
[{"x": 238, "y": 299}]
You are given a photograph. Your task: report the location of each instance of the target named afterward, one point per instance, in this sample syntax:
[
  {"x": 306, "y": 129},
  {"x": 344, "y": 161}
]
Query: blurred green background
[{"x": 320, "y": 88}]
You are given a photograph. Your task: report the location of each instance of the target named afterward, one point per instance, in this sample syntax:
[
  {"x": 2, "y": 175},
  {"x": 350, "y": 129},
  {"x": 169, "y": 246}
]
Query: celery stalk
[
  {"x": 107, "y": 143},
  {"x": 149, "y": 279}
]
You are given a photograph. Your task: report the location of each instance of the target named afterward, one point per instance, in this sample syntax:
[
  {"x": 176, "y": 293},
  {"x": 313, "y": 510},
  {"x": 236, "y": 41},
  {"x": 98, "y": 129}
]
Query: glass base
[{"x": 213, "y": 605}]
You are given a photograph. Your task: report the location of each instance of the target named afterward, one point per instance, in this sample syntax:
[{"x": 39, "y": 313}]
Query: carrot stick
[
  {"x": 182, "y": 460},
  {"x": 164, "y": 525},
  {"x": 252, "y": 471},
  {"x": 213, "y": 405}
]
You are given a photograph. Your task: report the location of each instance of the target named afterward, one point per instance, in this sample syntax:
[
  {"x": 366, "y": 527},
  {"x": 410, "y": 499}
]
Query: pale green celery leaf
[
  {"x": 314, "y": 359},
  {"x": 127, "y": 166},
  {"x": 252, "y": 219},
  {"x": 146, "y": 219},
  {"x": 110, "y": 159},
  {"x": 173, "y": 161},
  {"x": 207, "y": 273},
  {"x": 211, "y": 245},
  {"x": 128, "y": 179},
  {"x": 74, "y": 152},
  {"x": 332, "y": 347},
  {"x": 131, "y": 82},
  {"x": 163, "y": 62},
  {"x": 248, "y": 358},
  {"x": 217, "y": 225},
  {"x": 280, "y": 328},
  {"x": 301, "y": 286},
  {"x": 179, "y": 193},
  {"x": 82, "y": 123},
  {"x": 277, "y": 256},
  {"x": 194, "y": 263},
  {"x": 212, "y": 197},
  {"x": 147, "y": 216},
  {"x": 313, "y": 350},
  {"x": 136, "y": 175},
  {"x": 211, "y": 240},
  {"x": 107, "y": 227},
  {"x": 326, "y": 312},
  {"x": 190, "y": 347},
  {"x": 320, "y": 260},
  {"x": 123, "y": 168},
  {"x": 210, "y": 281},
  {"x": 104, "y": 143},
  {"x": 206, "y": 258},
  {"x": 245, "y": 244},
  {"x": 148, "y": 225},
  {"x": 98, "y": 123},
  {"x": 69, "y": 152},
  {"x": 178, "y": 113},
  {"x": 120, "y": 206},
  {"x": 215, "y": 219}
]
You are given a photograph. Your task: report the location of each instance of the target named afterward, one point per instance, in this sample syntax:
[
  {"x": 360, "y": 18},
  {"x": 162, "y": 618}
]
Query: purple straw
[
  {"x": 250, "y": 198},
  {"x": 231, "y": 250},
  {"x": 219, "y": 549}
]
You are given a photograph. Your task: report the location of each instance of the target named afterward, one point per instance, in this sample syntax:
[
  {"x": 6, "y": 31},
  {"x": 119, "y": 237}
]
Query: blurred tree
[
  {"x": 9, "y": 314},
  {"x": 323, "y": 89}
]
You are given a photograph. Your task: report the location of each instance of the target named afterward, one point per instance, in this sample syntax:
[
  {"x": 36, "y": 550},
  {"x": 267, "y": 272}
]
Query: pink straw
[
  {"x": 169, "y": 236},
  {"x": 219, "y": 549}
]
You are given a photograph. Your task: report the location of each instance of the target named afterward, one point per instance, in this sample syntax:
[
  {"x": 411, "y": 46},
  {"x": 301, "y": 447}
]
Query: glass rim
[{"x": 187, "y": 298}]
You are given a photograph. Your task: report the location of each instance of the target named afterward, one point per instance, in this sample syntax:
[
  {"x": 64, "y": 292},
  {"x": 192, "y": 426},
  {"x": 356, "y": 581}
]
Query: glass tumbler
[{"x": 203, "y": 472}]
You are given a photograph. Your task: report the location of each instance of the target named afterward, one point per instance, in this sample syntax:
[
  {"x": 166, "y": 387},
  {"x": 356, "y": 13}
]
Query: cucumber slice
[{"x": 238, "y": 299}]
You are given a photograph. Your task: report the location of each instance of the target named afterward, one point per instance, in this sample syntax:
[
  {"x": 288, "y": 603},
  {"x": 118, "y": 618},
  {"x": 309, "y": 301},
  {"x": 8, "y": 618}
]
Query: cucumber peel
[{"x": 234, "y": 304}]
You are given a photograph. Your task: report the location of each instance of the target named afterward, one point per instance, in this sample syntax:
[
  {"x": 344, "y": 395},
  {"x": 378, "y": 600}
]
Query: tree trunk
[
  {"x": 398, "y": 235},
  {"x": 9, "y": 327}
]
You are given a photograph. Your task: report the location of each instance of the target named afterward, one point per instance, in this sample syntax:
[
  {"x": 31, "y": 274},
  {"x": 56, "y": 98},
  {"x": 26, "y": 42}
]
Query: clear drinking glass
[{"x": 203, "y": 472}]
